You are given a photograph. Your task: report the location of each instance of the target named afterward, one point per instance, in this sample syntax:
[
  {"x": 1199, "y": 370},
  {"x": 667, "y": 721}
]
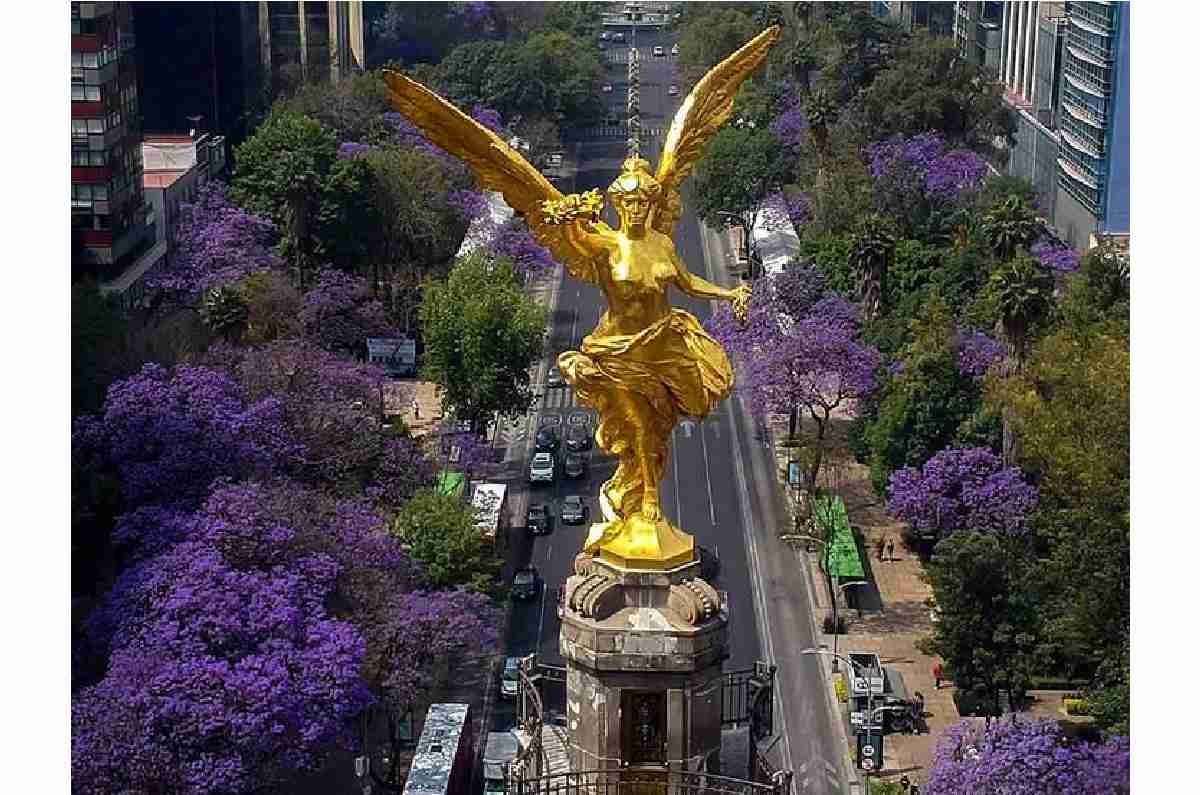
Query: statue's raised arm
[{"x": 501, "y": 168}]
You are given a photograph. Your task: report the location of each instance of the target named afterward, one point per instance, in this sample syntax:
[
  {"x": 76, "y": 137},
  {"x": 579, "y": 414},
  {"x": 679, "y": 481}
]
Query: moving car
[
  {"x": 501, "y": 749},
  {"x": 659, "y": 52},
  {"x": 606, "y": 88},
  {"x": 673, "y": 90},
  {"x": 604, "y": 35},
  {"x": 675, "y": 47},
  {"x": 525, "y": 583},
  {"x": 575, "y": 465},
  {"x": 510, "y": 679},
  {"x": 574, "y": 510},
  {"x": 710, "y": 564},
  {"x": 554, "y": 379},
  {"x": 618, "y": 36},
  {"x": 539, "y": 520},
  {"x": 546, "y": 440},
  {"x": 541, "y": 468},
  {"x": 579, "y": 437}
]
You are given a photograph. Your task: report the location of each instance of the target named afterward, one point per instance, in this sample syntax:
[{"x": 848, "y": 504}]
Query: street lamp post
[{"x": 870, "y": 719}]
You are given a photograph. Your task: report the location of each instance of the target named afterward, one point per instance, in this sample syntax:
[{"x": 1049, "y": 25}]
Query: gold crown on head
[{"x": 635, "y": 177}]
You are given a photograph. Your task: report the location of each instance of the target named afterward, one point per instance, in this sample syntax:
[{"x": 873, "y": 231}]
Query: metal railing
[{"x": 630, "y": 781}]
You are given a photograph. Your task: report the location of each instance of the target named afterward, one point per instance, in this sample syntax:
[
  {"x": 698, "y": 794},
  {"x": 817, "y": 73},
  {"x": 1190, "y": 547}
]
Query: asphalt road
[{"x": 718, "y": 486}]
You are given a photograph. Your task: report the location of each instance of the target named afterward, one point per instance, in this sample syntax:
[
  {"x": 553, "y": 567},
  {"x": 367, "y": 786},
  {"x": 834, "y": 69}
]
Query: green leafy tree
[
  {"x": 929, "y": 86},
  {"x": 741, "y": 169},
  {"x": 923, "y": 408},
  {"x": 550, "y": 74},
  {"x": 279, "y": 173},
  {"x": 482, "y": 332},
  {"x": 1022, "y": 294},
  {"x": 99, "y": 346},
  {"x": 415, "y": 231},
  {"x": 352, "y": 108},
  {"x": 463, "y": 75},
  {"x": 345, "y": 214},
  {"x": 579, "y": 19},
  {"x": 988, "y": 630},
  {"x": 1070, "y": 407},
  {"x": 711, "y": 32},
  {"x": 440, "y": 531}
]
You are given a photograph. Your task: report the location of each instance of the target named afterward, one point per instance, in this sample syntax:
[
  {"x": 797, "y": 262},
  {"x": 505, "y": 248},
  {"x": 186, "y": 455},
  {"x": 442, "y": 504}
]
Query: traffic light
[{"x": 870, "y": 750}]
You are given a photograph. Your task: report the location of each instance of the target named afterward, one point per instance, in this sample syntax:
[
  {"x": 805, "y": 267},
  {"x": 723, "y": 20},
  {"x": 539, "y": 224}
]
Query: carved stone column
[{"x": 644, "y": 653}]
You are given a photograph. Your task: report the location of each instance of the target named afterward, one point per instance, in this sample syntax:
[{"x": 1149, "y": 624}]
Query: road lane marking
[
  {"x": 541, "y": 618},
  {"x": 712, "y": 510},
  {"x": 760, "y": 608}
]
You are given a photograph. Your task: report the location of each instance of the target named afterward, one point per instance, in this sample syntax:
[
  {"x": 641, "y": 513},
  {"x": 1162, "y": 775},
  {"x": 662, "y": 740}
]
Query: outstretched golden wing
[
  {"x": 497, "y": 165},
  {"x": 707, "y": 107}
]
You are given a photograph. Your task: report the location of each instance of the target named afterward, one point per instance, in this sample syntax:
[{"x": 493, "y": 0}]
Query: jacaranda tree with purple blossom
[
  {"x": 221, "y": 680},
  {"x": 815, "y": 362},
  {"x": 963, "y": 489},
  {"x": 1031, "y": 757},
  {"x": 216, "y": 244},
  {"x": 339, "y": 313},
  {"x": 922, "y": 184},
  {"x": 168, "y": 435}
]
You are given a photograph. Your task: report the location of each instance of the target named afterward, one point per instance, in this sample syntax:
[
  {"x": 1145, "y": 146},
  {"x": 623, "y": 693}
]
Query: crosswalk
[
  {"x": 620, "y": 131},
  {"x": 621, "y": 56},
  {"x": 561, "y": 398}
]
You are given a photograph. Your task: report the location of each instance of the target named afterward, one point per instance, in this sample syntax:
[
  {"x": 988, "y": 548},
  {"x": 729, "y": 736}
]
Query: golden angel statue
[{"x": 646, "y": 364}]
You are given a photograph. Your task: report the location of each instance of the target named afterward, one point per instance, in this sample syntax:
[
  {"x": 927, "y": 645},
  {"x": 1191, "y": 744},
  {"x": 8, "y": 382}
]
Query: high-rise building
[
  {"x": 1029, "y": 69},
  {"x": 109, "y": 224},
  {"x": 978, "y": 34},
  {"x": 301, "y": 41},
  {"x": 936, "y": 17},
  {"x": 1093, "y": 180}
]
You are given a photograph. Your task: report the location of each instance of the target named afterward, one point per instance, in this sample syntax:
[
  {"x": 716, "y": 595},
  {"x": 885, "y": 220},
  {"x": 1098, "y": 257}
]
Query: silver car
[
  {"x": 541, "y": 468},
  {"x": 510, "y": 679},
  {"x": 574, "y": 510}
]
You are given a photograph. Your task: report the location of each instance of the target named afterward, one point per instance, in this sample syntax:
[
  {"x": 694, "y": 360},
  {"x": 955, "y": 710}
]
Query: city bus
[
  {"x": 491, "y": 500},
  {"x": 444, "y": 757}
]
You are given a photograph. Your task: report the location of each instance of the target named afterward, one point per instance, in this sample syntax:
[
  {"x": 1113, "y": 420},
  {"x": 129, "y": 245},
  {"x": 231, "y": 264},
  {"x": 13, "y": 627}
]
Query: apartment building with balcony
[
  {"x": 1093, "y": 159},
  {"x": 978, "y": 34},
  {"x": 303, "y": 40},
  {"x": 109, "y": 224}
]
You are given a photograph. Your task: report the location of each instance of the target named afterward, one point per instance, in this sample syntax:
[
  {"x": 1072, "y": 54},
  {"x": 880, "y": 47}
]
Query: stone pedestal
[{"x": 644, "y": 653}]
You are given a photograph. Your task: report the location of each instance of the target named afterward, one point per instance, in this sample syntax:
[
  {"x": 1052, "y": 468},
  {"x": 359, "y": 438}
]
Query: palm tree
[
  {"x": 871, "y": 253},
  {"x": 821, "y": 111},
  {"x": 1022, "y": 292},
  {"x": 1009, "y": 225},
  {"x": 224, "y": 310}
]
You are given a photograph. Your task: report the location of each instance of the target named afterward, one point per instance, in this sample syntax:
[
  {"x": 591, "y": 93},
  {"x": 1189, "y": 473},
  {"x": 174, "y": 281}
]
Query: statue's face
[{"x": 634, "y": 210}]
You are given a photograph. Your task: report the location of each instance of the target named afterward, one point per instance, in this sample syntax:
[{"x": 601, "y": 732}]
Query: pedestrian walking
[
  {"x": 416, "y": 407},
  {"x": 919, "y": 714},
  {"x": 937, "y": 676},
  {"x": 891, "y": 549},
  {"x": 880, "y": 546}
]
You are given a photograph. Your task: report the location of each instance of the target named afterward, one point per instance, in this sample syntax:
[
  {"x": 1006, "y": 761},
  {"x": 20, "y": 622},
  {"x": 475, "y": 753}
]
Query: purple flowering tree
[
  {"x": 170, "y": 434},
  {"x": 814, "y": 363},
  {"x": 917, "y": 180},
  {"x": 221, "y": 680},
  {"x": 978, "y": 353},
  {"x": 216, "y": 244},
  {"x": 470, "y": 203},
  {"x": 402, "y": 469},
  {"x": 513, "y": 242},
  {"x": 350, "y": 149},
  {"x": 1027, "y": 756},
  {"x": 1055, "y": 257},
  {"x": 963, "y": 489},
  {"x": 339, "y": 312}
]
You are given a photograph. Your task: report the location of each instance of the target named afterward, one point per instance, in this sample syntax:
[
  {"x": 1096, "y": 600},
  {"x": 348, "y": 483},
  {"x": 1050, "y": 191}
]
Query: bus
[
  {"x": 490, "y": 499},
  {"x": 444, "y": 756}
]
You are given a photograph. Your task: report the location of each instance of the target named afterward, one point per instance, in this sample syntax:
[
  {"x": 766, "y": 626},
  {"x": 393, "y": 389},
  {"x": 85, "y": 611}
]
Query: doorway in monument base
[{"x": 644, "y": 728}]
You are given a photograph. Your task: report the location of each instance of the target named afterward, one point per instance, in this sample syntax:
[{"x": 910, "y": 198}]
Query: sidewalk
[{"x": 890, "y": 632}]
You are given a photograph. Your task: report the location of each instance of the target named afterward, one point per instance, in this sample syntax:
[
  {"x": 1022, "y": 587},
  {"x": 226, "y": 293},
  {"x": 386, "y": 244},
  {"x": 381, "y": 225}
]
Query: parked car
[
  {"x": 541, "y": 468},
  {"x": 606, "y": 88},
  {"x": 554, "y": 379},
  {"x": 673, "y": 90},
  {"x": 574, "y": 510},
  {"x": 575, "y": 465},
  {"x": 525, "y": 583},
  {"x": 510, "y": 679},
  {"x": 710, "y": 564},
  {"x": 604, "y": 35},
  {"x": 579, "y": 437},
  {"x": 546, "y": 440},
  {"x": 539, "y": 520},
  {"x": 618, "y": 36},
  {"x": 501, "y": 749},
  {"x": 675, "y": 47},
  {"x": 659, "y": 52}
]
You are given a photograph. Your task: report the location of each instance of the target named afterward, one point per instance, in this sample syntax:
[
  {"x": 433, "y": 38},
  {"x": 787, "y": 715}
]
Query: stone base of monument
[{"x": 644, "y": 652}]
